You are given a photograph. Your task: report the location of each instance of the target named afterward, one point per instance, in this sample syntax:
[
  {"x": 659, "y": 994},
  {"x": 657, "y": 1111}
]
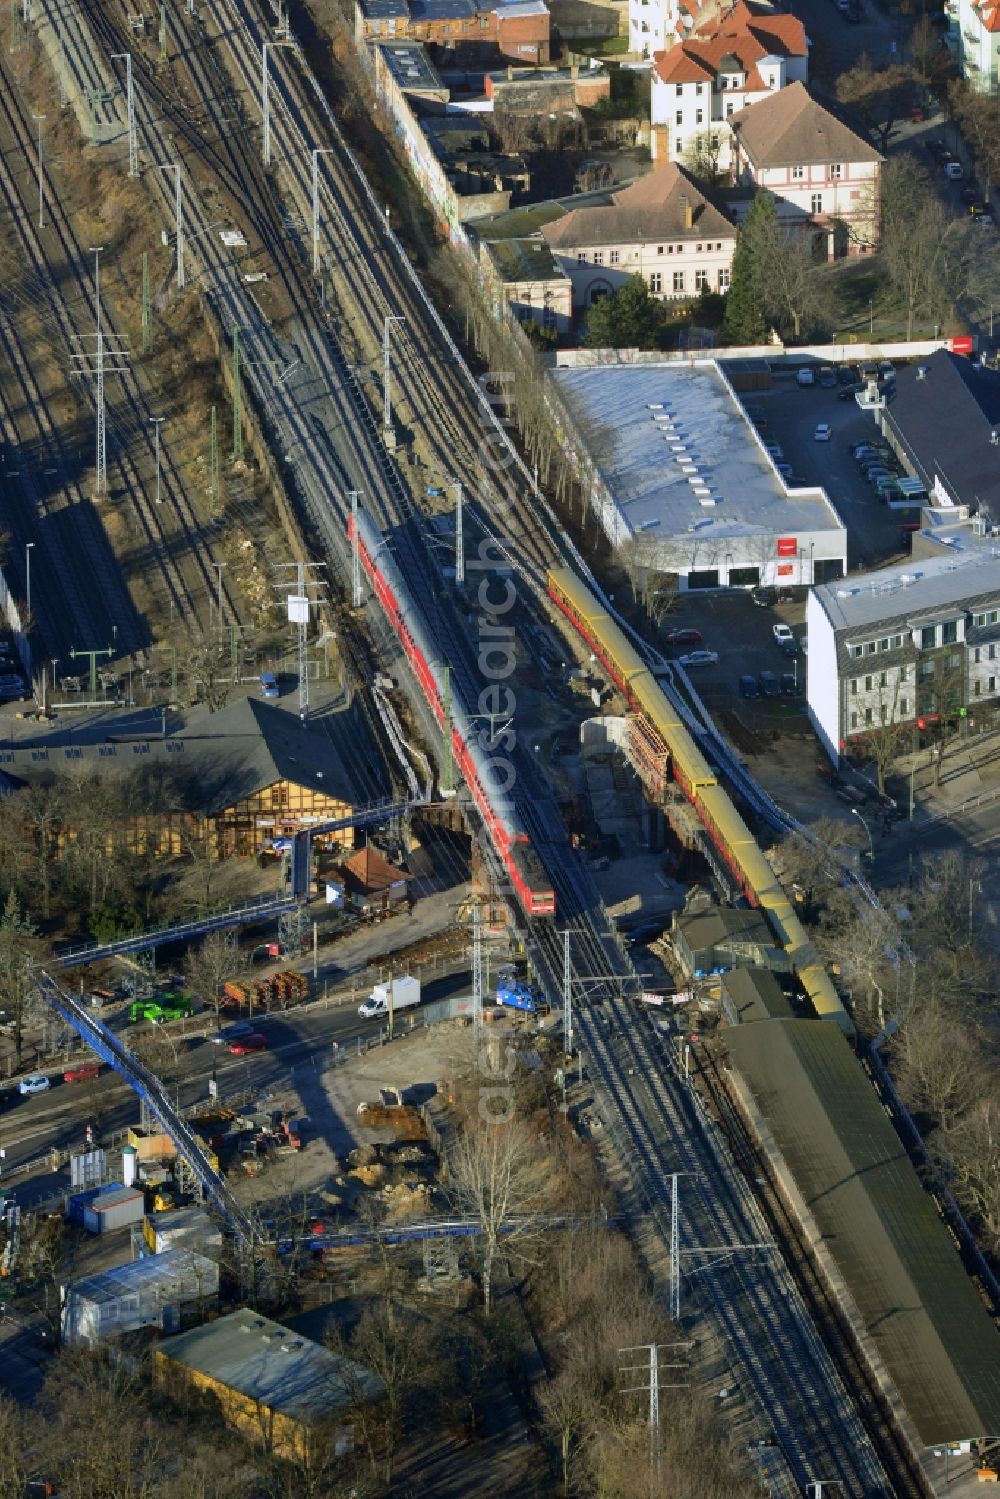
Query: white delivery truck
[{"x": 405, "y": 994}]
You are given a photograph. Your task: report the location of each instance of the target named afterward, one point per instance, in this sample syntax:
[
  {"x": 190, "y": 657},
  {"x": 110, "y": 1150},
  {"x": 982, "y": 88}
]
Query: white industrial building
[
  {"x": 682, "y": 483},
  {"x": 908, "y": 645},
  {"x": 158, "y": 1291}
]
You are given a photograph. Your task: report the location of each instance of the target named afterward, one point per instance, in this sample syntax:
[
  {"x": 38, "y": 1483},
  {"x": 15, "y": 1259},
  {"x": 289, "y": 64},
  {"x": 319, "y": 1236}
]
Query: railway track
[
  {"x": 69, "y": 311},
  {"x": 789, "y": 1372}
]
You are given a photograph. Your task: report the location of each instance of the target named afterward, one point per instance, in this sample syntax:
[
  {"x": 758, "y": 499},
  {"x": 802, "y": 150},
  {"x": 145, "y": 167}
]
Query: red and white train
[{"x": 479, "y": 770}]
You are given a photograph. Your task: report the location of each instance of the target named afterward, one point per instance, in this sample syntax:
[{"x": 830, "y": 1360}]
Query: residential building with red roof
[{"x": 724, "y": 66}]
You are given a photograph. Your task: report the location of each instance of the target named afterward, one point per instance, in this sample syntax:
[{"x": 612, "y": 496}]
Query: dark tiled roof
[
  {"x": 878, "y": 1224},
  {"x": 945, "y": 417},
  {"x": 217, "y": 759}
]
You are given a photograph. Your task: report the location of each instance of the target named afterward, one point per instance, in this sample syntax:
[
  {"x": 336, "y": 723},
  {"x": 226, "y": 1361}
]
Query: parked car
[
  {"x": 970, "y": 194},
  {"x": 36, "y": 1083},
  {"x": 784, "y": 469},
  {"x": 246, "y": 1044},
  {"x": 790, "y": 647},
  {"x": 699, "y": 658},
  {"x": 984, "y": 220},
  {"x": 269, "y": 685},
  {"x": 782, "y": 633},
  {"x": 954, "y": 171},
  {"x": 749, "y": 687},
  {"x": 83, "y": 1072},
  {"x": 827, "y": 377},
  {"x": 847, "y": 374},
  {"x": 823, "y": 432},
  {"x": 769, "y": 684},
  {"x": 775, "y": 451},
  {"x": 764, "y": 598},
  {"x": 805, "y": 377},
  {"x": 886, "y": 370},
  {"x": 789, "y": 684},
  {"x": 850, "y": 391},
  {"x": 684, "y": 637}
]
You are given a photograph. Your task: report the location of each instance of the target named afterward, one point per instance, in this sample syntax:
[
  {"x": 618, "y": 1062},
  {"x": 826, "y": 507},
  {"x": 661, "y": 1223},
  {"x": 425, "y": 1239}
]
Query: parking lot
[
  {"x": 792, "y": 413},
  {"x": 743, "y": 635}
]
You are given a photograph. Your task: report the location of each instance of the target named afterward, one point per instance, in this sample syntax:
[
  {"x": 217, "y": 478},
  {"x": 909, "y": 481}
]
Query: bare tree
[
  {"x": 920, "y": 241},
  {"x": 880, "y": 95},
  {"x": 978, "y": 116},
  {"x": 974, "y": 1157},
  {"x": 811, "y": 857},
  {"x": 940, "y": 1066},
  {"x": 20, "y": 949},
  {"x": 930, "y": 61},
  {"x": 208, "y": 967},
  {"x": 567, "y": 1410},
  {"x": 497, "y": 1176},
  {"x": 701, "y": 155},
  {"x": 13, "y": 1451}
]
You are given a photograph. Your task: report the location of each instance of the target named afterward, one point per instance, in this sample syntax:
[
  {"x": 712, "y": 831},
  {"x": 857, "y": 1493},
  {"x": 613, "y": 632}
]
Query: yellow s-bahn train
[{"x": 699, "y": 783}]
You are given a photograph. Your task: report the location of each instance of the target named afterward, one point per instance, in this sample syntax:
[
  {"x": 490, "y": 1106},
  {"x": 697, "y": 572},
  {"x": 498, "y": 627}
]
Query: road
[{"x": 57, "y": 1120}]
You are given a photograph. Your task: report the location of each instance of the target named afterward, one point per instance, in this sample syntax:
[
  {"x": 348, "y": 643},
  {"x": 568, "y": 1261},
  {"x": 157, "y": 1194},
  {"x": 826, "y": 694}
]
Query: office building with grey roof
[
  {"x": 906, "y": 646},
  {"x": 680, "y": 478}
]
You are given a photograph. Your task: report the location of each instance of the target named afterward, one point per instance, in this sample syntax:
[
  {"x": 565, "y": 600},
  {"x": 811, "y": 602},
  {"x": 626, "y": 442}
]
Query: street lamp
[
  {"x": 28, "y": 548},
  {"x": 156, "y": 423},
  {"x": 871, "y": 318},
  {"x": 871, "y": 845}
]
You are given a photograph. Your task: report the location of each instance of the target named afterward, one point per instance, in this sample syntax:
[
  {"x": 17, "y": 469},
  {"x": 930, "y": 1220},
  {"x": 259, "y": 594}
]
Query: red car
[
  {"x": 684, "y": 637},
  {"x": 254, "y": 1042},
  {"x": 84, "y": 1072}
]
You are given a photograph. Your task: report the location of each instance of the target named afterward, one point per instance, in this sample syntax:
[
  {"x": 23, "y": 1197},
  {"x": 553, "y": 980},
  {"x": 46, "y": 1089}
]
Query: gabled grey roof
[
  {"x": 217, "y": 759},
  {"x": 881, "y": 1228}
]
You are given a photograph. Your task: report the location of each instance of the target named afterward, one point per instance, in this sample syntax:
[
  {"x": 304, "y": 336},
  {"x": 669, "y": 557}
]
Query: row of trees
[{"x": 925, "y": 960}]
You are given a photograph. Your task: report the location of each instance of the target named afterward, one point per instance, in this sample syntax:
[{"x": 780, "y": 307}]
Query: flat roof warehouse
[{"x": 683, "y": 469}]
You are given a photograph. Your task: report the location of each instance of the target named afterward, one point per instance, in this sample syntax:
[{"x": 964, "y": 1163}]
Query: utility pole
[
  {"x": 323, "y": 151},
  {"x": 219, "y": 568},
  {"x": 237, "y": 399},
  {"x": 459, "y": 539},
  {"x": 163, "y": 33},
  {"x": 157, "y": 422},
  {"x": 38, "y": 119},
  {"x": 477, "y": 968},
  {"x": 299, "y": 606},
  {"x": 133, "y": 144},
  {"x": 675, "y": 1253},
  {"x": 265, "y": 95},
  {"x": 213, "y": 466},
  {"x": 388, "y": 432},
  {"x": 447, "y": 757},
  {"x": 178, "y": 221},
  {"x": 92, "y": 656},
  {"x": 88, "y": 364},
  {"x": 649, "y": 1371},
  {"x": 355, "y": 552},
  {"x": 146, "y": 339},
  {"x": 28, "y": 549},
  {"x": 567, "y": 996}
]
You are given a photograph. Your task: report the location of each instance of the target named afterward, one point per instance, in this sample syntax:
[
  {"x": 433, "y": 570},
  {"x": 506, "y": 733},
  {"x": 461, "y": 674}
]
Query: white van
[{"x": 805, "y": 377}]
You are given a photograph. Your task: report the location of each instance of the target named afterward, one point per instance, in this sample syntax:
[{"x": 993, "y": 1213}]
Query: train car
[
  {"x": 699, "y": 783},
  {"x": 507, "y": 833},
  {"x": 619, "y": 657}
]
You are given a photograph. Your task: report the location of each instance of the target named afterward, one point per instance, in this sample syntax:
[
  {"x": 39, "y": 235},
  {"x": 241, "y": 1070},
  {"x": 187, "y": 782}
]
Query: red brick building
[{"x": 461, "y": 29}]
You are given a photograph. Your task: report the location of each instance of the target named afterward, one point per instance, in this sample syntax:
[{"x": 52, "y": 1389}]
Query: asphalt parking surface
[
  {"x": 742, "y": 632},
  {"x": 793, "y": 412}
]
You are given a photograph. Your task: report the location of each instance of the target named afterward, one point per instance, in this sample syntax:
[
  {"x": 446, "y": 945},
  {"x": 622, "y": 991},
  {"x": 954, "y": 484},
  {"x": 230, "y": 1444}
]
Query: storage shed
[
  {"x": 114, "y": 1206},
  {"x": 724, "y": 937},
  {"x": 158, "y": 1291},
  {"x": 269, "y": 1382},
  {"x": 183, "y": 1228},
  {"x": 750, "y": 994}
]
